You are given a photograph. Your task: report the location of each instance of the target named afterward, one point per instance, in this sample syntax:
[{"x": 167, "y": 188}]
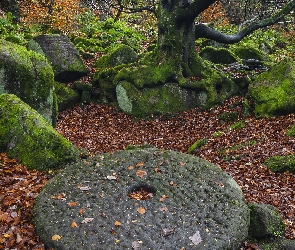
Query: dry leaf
[
  {"x": 18, "y": 238},
  {"x": 82, "y": 210},
  {"x": 196, "y": 238},
  {"x": 141, "y": 210},
  {"x": 172, "y": 184},
  {"x": 87, "y": 220},
  {"x": 111, "y": 177},
  {"x": 163, "y": 197},
  {"x": 117, "y": 223},
  {"x": 141, "y": 173},
  {"x": 131, "y": 167},
  {"x": 85, "y": 188},
  {"x": 72, "y": 203},
  {"x": 56, "y": 237},
  {"x": 135, "y": 245},
  {"x": 74, "y": 224},
  {"x": 140, "y": 164},
  {"x": 158, "y": 171},
  {"x": 163, "y": 208}
]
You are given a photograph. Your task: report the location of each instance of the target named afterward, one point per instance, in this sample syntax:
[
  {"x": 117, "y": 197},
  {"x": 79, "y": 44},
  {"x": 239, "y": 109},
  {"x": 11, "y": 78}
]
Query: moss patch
[
  {"x": 25, "y": 135},
  {"x": 197, "y": 144},
  {"x": 66, "y": 97},
  {"x": 29, "y": 76},
  {"x": 281, "y": 163},
  {"x": 273, "y": 92}
]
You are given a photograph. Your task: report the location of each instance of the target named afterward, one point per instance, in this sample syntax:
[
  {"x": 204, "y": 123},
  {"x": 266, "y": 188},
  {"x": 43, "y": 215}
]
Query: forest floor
[{"x": 238, "y": 150}]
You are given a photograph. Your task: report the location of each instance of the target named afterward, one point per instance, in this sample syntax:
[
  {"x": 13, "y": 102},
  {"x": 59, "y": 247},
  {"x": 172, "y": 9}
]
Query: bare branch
[{"x": 203, "y": 31}]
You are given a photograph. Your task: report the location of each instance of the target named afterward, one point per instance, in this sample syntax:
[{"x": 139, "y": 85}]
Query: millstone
[{"x": 143, "y": 198}]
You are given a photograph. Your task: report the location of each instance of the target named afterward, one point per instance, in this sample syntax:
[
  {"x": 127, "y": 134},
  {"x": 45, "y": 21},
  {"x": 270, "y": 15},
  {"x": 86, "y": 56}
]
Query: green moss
[
  {"x": 273, "y": 92},
  {"x": 28, "y": 75},
  {"x": 66, "y": 96},
  {"x": 248, "y": 53},
  {"x": 238, "y": 125},
  {"x": 228, "y": 116},
  {"x": 221, "y": 55},
  {"x": 218, "y": 133},
  {"x": 265, "y": 221},
  {"x": 196, "y": 145},
  {"x": 281, "y": 163},
  {"x": 25, "y": 135},
  {"x": 291, "y": 131}
]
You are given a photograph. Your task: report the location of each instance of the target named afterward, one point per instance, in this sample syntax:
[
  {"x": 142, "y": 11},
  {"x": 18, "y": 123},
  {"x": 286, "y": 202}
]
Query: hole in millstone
[{"x": 141, "y": 191}]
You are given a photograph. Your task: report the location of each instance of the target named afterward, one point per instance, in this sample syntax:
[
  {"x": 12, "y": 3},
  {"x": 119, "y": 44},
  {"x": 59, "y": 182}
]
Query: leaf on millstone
[
  {"x": 196, "y": 238},
  {"x": 87, "y": 220}
]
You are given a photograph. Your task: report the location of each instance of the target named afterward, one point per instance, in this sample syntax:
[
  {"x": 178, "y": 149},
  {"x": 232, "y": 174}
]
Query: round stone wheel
[{"x": 142, "y": 198}]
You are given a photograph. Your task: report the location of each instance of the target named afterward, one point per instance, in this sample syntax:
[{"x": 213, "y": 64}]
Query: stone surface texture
[
  {"x": 63, "y": 56},
  {"x": 193, "y": 204}
]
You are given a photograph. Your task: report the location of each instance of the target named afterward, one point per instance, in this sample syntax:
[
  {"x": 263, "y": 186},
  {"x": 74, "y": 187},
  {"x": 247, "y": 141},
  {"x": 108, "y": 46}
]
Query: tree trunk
[{"x": 176, "y": 39}]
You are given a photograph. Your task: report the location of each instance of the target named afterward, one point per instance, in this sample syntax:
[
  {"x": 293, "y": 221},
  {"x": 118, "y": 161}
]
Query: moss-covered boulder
[
  {"x": 248, "y": 53},
  {"x": 265, "y": 221},
  {"x": 122, "y": 54},
  {"x": 273, "y": 92},
  {"x": 26, "y": 136},
  {"x": 29, "y": 76},
  {"x": 166, "y": 98},
  {"x": 66, "y": 97},
  {"x": 62, "y": 54},
  {"x": 153, "y": 198},
  {"x": 267, "y": 228},
  {"x": 218, "y": 55}
]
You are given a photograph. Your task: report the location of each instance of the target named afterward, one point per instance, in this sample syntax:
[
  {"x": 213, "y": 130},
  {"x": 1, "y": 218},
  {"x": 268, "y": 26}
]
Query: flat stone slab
[{"x": 143, "y": 198}]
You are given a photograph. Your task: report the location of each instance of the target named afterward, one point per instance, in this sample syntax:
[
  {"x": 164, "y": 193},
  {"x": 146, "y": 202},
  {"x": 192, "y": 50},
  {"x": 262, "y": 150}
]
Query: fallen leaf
[
  {"x": 117, "y": 223},
  {"x": 74, "y": 224},
  {"x": 18, "y": 238},
  {"x": 141, "y": 173},
  {"x": 196, "y": 238},
  {"x": 135, "y": 245},
  {"x": 173, "y": 184},
  {"x": 141, "y": 210},
  {"x": 112, "y": 177},
  {"x": 72, "y": 203},
  {"x": 56, "y": 237},
  {"x": 163, "y": 208},
  {"x": 140, "y": 164},
  {"x": 85, "y": 188},
  {"x": 131, "y": 167},
  {"x": 87, "y": 220},
  {"x": 163, "y": 197},
  {"x": 82, "y": 210}
]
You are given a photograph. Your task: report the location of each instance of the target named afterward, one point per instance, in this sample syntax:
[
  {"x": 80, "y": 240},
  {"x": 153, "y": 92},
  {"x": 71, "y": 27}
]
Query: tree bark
[{"x": 176, "y": 34}]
